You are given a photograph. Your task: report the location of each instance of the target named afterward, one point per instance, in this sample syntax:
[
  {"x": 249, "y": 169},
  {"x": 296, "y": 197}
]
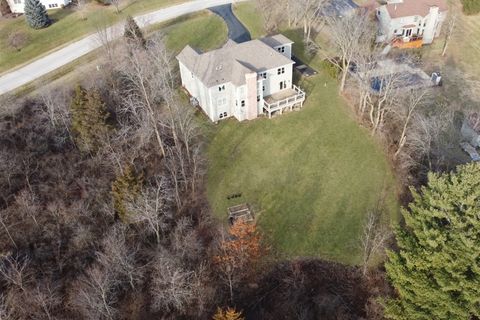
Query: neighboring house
[
  {"x": 242, "y": 80},
  {"x": 411, "y": 20},
  {"x": 17, "y": 6}
]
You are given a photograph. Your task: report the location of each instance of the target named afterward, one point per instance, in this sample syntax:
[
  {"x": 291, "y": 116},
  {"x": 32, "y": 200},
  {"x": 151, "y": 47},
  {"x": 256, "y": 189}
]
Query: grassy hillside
[{"x": 312, "y": 175}]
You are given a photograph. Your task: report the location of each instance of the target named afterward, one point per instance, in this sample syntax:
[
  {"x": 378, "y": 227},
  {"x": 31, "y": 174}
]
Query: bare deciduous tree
[
  {"x": 174, "y": 287},
  {"x": 104, "y": 35},
  {"x": 152, "y": 208},
  {"x": 117, "y": 4},
  {"x": 17, "y": 40},
  {"x": 14, "y": 271},
  {"x": 94, "y": 294},
  {"x": 6, "y": 312},
  {"x": 81, "y": 4},
  {"x": 56, "y": 101},
  {"x": 405, "y": 111},
  {"x": 119, "y": 256},
  {"x": 431, "y": 140},
  {"x": 374, "y": 237},
  {"x": 452, "y": 21},
  {"x": 270, "y": 14},
  {"x": 351, "y": 35},
  {"x": 310, "y": 12},
  {"x": 186, "y": 243},
  {"x": 144, "y": 78},
  {"x": 27, "y": 204}
]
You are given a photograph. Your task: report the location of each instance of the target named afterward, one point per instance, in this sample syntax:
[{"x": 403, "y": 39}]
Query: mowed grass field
[
  {"x": 68, "y": 26},
  {"x": 312, "y": 176},
  {"x": 465, "y": 44}
]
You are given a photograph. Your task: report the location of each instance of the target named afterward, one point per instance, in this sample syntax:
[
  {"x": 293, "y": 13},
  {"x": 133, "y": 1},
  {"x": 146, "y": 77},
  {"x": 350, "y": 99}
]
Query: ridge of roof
[
  {"x": 408, "y": 8},
  {"x": 232, "y": 62}
]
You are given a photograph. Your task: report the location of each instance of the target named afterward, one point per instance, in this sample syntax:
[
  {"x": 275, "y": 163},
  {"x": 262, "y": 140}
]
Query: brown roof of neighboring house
[
  {"x": 409, "y": 8},
  {"x": 232, "y": 62}
]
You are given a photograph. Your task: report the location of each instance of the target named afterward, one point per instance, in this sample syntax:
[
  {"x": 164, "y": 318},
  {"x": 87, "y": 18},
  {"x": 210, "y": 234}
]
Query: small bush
[
  {"x": 330, "y": 69},
  {"x": 471, "y": 7},
  {"x": 105, "y": 2}
]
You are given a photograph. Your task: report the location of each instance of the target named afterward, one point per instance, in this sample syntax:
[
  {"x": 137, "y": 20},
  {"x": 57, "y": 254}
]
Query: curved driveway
[
  {"x": 236, "y": 30},
  {"x": 75, "y": 50}
]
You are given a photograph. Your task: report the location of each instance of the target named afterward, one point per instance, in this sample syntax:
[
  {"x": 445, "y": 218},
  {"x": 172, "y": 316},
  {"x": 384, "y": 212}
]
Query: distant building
[
  {"x": 242, "y": 80},
  {"x": 17, "y": 6},
  {"x": 411, "y": 20}
]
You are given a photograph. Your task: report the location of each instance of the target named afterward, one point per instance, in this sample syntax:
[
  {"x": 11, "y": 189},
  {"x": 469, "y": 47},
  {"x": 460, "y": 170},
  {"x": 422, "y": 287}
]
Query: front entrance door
[{"x": 283, "y": 85}]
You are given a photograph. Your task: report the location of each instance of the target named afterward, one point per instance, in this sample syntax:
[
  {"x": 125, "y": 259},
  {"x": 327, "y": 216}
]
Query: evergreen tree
[
  {"x": 436, "y": 272},
  {"x": 89, "y": 117},
  {"x": 126, "y": 187},
  {"x": 36, "y": 14},
  {"x": 133, "y": 33}
]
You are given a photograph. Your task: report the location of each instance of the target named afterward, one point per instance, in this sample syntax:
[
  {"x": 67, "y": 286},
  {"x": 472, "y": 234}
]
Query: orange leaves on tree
[
  {"x": 228, "y": 314},
  {"x": 243, "y": 248}
]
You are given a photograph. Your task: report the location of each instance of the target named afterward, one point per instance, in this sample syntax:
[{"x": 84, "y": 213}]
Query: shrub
[
  {"x": 471, "y": 7},
  {"x": 17, "y": 39},
  {"x": 105, "y": 2},
  {"x": 330, "y": 69}
]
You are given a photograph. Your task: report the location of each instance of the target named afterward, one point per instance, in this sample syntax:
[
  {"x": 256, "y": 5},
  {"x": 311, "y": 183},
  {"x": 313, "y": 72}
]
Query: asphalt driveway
[{"x": 236, "y": 30}]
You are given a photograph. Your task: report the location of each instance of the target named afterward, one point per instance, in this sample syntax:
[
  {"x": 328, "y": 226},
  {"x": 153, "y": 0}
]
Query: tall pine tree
[
  {"x": 133, "y": 33},
  {"x": 89, "y": 116},
  {"x": 36, "y": 14},
  {"x": 125, "y": 188},
  {"x": 436, "y": 272}
]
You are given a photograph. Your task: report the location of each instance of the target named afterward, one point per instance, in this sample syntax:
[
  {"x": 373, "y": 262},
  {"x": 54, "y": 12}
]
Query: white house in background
[
  {"x": 411, "y": 20},
  {"x": 17, "y": 6},
  {"x": 242, "y": 80}
]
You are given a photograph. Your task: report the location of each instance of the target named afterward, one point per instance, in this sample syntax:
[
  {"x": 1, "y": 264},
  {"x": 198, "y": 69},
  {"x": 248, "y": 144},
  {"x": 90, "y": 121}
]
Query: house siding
[
  {"x": 49, "y": 4},
  {"x": 429, "y": 27}
]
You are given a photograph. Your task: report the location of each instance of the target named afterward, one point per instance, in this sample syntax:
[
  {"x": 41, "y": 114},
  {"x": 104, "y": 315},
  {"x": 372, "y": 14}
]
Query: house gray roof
[
  {"x": 232, "y": 62},
  {"x": 276, "y": 40}
]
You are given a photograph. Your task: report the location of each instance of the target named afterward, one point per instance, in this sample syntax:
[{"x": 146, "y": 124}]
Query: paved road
[
  {"x": 236, "y": 30},
  {"x": 57, "y": 59}
]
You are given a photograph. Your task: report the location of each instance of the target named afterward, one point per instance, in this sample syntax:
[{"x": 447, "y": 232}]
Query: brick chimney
[{"x": 251, "y": 103}]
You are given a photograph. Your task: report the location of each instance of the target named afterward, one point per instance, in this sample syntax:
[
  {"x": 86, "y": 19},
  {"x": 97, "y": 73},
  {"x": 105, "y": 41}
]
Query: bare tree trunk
[{"x": 448, "y": 36}]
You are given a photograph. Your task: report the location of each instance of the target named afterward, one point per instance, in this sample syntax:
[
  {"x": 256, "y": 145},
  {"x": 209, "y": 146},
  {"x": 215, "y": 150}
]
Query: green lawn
[
  {"x": 248, "y": 14},
  {"x": 67, "y": 26},
  {"x": 203, "y": 31},
  {"x": 311, "y": 175}
]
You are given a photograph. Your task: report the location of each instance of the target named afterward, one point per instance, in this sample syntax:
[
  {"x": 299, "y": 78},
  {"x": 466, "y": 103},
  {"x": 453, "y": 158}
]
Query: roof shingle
[
  {"x": 232, "y": 62},
  {"x": 409, "y": 8}
]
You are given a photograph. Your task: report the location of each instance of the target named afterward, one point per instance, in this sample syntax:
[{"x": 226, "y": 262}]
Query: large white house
[
  {"x": 242, "y": 80},
  {"x": 18, "y": 6},
  {"x": 411, "y": 20}
]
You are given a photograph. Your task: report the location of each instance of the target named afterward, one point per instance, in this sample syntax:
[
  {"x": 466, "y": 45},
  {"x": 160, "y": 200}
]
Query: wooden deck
[{"x": 284, "y": 101}]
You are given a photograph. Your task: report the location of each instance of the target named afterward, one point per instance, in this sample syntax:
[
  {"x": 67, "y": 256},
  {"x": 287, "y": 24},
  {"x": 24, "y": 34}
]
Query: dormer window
[{"x": 221, "y": 88}]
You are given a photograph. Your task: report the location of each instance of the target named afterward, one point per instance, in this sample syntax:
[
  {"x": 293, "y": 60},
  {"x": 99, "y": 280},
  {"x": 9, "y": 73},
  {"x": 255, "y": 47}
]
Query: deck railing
[{"x": 287, "y": 102}]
